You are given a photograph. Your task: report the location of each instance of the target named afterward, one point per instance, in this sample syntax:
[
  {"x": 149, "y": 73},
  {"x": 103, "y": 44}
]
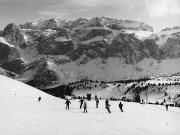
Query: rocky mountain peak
[
  {"x": 98, "y": 48},
  {"x": 13, "y": 35}
]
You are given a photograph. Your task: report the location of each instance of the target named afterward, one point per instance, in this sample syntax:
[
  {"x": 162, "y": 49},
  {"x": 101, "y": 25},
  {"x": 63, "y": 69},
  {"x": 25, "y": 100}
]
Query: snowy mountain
[{"x": 99, "y": 48}]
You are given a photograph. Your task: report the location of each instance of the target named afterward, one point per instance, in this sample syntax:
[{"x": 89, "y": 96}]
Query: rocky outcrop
[
  {"x": 127, "y": 46},
  {"x": 14, "y": 36},
  {"x": 95, "y": 49},
  {"x": 10, "y": 58},
  {"x": 58, "y": 46},
  {"x": 57, "y": 43},
  {"x": 8, "y": 53},
  {"x": 114, "y": 24},
  {"x": 87, "y": 34},
  {"x": 169, "y": 42},
  {"x": 77, "y": 23},
  {"x": 44, "y": 24},
  {"x": 171, "y": 48},
  {"x": 1, "y": 33},
  {"x": 7, "y": 73},
  {"x": 42, "y": 74}
]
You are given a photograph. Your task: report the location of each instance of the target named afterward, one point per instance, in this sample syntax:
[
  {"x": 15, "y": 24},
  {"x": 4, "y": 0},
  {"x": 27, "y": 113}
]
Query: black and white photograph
[{"x": 89, "y": 67}]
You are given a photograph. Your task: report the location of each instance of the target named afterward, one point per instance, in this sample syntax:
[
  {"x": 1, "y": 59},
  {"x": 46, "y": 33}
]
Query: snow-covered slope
[
  {"x": 2, "y": 40},
  {"x": 13, "y": 89},
  {"x": 169, "y": 31},
  {"x": 140, "y": 34},
  {"x": 166, "y": 34},
  {"x": 22, "y": 114}
]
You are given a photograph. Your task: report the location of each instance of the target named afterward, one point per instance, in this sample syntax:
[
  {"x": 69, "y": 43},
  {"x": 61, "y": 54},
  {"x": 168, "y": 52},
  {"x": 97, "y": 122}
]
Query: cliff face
[
  {"x": 14, "y": 36},
  {"x": 10, "y": 58},
  {"x": 99, "y": 49}
]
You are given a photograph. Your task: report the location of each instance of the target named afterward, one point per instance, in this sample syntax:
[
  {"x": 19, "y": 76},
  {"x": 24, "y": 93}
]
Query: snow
[
  {"x": 22, "y": 114},
  {"x": 168, "y": 32},
  {"x": 36, "y": 22},
  {"x": 25, "y": 37},
  {"x": 26, "y": 29},
  {"x": 163, "y": 36},
  {"x": 59, "y": 21},
  {"x": 140, "y": 34},
  {"x": 2, "y": 40},
  {"x": 50, "y": 64},
  {"x": 49, "y": 32},
  {"x": 161, "y": 81},
  {"x": 62, "y": 39}
]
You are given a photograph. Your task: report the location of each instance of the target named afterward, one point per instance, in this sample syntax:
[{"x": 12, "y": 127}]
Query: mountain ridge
[{"x": 99, "y": 48}]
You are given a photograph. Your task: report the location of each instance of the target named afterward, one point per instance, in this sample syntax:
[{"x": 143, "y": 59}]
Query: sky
[{"x": 157, "y": 13}]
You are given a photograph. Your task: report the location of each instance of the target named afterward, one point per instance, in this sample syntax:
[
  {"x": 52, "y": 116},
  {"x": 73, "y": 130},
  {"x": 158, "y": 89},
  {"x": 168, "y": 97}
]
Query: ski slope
[{"x": 22, "y": 114}]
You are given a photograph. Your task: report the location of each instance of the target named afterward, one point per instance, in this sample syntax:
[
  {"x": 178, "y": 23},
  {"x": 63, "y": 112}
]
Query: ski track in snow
[{"x": 22, "y": 114}]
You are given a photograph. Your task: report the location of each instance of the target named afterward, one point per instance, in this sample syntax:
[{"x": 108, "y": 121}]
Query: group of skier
[
  {"x": 107, "y": 106},
  {"x": 83, "y": 104}
]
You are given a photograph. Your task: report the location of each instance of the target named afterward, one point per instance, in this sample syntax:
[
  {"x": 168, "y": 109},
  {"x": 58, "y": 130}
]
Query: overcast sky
[{"x": 157, "y": 13}]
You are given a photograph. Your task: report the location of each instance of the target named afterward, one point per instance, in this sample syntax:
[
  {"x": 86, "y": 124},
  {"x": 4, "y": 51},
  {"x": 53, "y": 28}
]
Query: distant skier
[
  {"x": 167, "y": 107},
  {"x": 95, "y": 97},
  {"x": 85, "y": 107},
  {"x": 142, "y": 101},
  {"x": 120, "y": 106},
  {"x": 81, "y": 102},
  {"x": 164, "y": 101},
  {"x": 97, "y": 102},
  {"x": 39, "y": 99},
  {"x": 67, "y": 104},
  {"x": 107, "y": 105}
]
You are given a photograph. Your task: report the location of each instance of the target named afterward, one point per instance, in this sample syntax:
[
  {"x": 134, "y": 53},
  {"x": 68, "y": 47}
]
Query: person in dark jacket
[
  {"x": 95, "y": 97},
  {"x": 81, "y": 102},
  {"x": 39, "y": 99},
  {"x": 120, "y": 106},
  {"x": 167, "y": 107},
  {"x": 97, "y": 102},
  {"x": 67, "y": 104},
  {"x": 85, "y": 107},
  {"x": 107, "y": 105}
]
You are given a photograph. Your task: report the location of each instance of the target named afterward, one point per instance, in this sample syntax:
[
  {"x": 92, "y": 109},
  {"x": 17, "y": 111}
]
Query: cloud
[
  {"x": 153, "y": 12},
  {"x": 83, "y": 7},
  {"x": 94, "y": 3},
  {"x": 49, "y": 13},
  {"x": 62, "y": 13},
  {"x": 69, "y": 7},
  {"x": 162, "y": 8}
]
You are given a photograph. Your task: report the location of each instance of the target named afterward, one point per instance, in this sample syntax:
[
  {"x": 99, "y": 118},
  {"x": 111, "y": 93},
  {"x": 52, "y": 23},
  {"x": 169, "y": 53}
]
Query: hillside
[{"x": 21, "y": 114}]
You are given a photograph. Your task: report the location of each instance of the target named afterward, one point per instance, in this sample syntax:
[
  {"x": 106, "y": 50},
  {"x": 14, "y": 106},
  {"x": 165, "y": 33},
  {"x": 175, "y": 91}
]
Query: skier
[
  {"x": 97, "y": 102},
  {"x": 120, "y": 106},
  {"x": 81, "y": 102},
  {"x": 67, "y": 104},
  {"x": 167, "y": 107},
  {"x": 107, "y": 105},
  {"x": 85, "y": 107},
  {"x": 95, "y": 97},
  {"x": 39, "y": 99},
  {"x": 142, "y": 101}
]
